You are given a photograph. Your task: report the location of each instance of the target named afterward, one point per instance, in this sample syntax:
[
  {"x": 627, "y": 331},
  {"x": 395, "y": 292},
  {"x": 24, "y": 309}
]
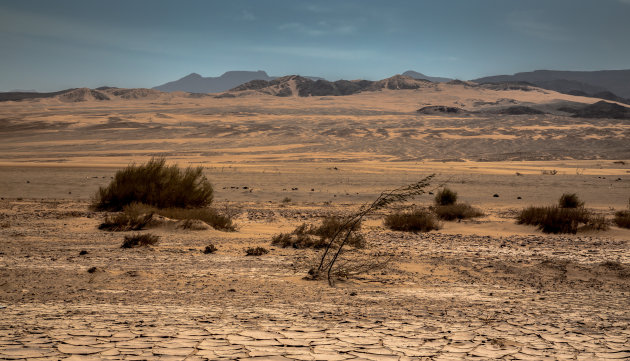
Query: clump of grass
[
  {"x": 311, "y": 236},
  {"x": 413, "y": 221},
  {"x": 207, "y": 215},
  {"x": 256, "y": 251},
  {"x": 554, "y": 219},
  {"x": 137, "y": 216},
  {"x": 134, "y": 217},
  {"x": 457, "y": 211},
  {"x": 211, "y": 248},
  {"x": 155, "y": 184},
  {"x": 570, "y": 200},
  {"x": 597, "y": 223},
  {"x": 286, "y": 200},
  {"x": 140, "y": 240},
  {"x": 445, "y": 197},
  {"x": 622, "y": 219}
]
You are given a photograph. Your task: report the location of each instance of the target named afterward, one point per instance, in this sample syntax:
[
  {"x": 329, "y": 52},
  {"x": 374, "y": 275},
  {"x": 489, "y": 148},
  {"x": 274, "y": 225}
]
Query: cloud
[
  {"x": 316, "y": 52},
  {"x": 532, "y": 23},
  {"x": 248, "y": 15},
  {"x": 321, "y": 28}
]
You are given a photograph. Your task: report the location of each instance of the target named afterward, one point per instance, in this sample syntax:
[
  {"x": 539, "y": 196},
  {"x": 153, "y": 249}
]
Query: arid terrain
[{"x": 486, "y": 288}]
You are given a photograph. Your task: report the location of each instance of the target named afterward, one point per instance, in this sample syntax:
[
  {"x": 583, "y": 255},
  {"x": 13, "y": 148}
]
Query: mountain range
[
  {"x": 570, "y": 82},
  {"x": 195, "y": 83}
]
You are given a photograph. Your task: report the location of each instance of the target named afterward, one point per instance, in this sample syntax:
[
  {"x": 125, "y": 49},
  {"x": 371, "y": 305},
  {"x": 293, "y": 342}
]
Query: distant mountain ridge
[
  {"x": 288, "y": 85},
  {"x": 195, "y": 83},
  {"x": 588, "y": 82},
  {"x": 435, "y": 79}
]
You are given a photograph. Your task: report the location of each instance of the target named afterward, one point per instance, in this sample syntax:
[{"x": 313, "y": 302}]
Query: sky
[{"x": 52, "y": 45}]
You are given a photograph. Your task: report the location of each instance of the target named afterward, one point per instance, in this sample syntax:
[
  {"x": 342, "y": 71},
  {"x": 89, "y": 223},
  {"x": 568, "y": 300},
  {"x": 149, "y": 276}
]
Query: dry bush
[
  {"x": 445, "y": 197},
  {"x": 622, "y": 219},
  {"x": 570, "y": 200},
  {"x": 310, "y": 236},
  {"x": 139, "y": 240},
  {"x": 207, "y": 215},
  {"x": 457, "y": 211},
  {"x": 136, "y": 216},
  {"x": 211, "y": 248},
  {"x": 554, "y": 219},
  {"x": 597, "y": 223},
  {"x": 334, "y": 250},
  {"x": 155, "y": 184},
  {"x": 256, "y": 251},
  {"x": 413, "y": 221}
]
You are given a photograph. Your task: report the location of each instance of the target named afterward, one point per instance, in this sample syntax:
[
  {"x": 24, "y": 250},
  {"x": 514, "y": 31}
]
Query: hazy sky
[{"x": 51, "y": 45}]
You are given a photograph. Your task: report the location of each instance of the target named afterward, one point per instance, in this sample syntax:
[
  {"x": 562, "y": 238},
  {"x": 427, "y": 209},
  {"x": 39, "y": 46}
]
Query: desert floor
[{"x": 481, "y": 289}]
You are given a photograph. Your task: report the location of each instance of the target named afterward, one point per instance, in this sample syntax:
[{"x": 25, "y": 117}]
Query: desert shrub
[
  {"x": 597, "y": 223},
  {"x": 134, "y": 217},
  {"x": 457, "y": 211},
  {"x": 297, "y": 241},
  {"x": 622, "y": 219},
  {"x": 155, "y": 184},
  {"x": 256, "y": 251},
  {"x": 554, "y": 219},
  {"x": 138, "y": 239},
  {"x": 445, "y": 196},
  {"x": 211, "y": 248},
  {"x": 414, "y": 221},
  {"x": 311, "y": 236},
  {"x": 570, "y": 200},
  {"x": 208, "y": 215}
]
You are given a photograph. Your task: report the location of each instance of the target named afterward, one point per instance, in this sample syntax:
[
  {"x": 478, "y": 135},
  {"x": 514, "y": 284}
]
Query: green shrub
[
  {"x": 622, "y": 219},
  {"x": 457, "y": 211},
  {"x": 445, "y": 197},
  {"x": 256, "y": 251},
  {"x": 554, "y": 219},
  {"x": 155, "y": 184},
  {"x": 136, "y": 240},
  {"x": 414, "y": 221},
  {"x": 570, "y": 200},
  {"x": 310, "y": 236}
]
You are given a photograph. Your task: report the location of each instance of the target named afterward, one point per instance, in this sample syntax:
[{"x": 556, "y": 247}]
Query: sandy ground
[{"x": 482, "y": 289}]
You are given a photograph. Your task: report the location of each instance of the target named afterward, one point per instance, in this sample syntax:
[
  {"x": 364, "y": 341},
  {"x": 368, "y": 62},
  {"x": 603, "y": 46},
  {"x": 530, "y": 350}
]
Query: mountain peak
[{"x": 416, "y": 75}]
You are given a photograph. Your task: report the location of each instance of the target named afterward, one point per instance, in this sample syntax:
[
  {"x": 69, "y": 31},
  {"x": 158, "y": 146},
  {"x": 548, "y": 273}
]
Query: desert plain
[{"x": 485, "y": 288}]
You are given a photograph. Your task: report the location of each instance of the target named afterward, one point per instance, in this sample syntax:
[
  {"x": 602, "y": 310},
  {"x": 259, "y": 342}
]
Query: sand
[{"x": 480, "y": 289}]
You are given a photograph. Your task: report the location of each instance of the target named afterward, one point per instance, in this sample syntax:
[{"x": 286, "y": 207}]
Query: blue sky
[{"x": 51, "y": 45}]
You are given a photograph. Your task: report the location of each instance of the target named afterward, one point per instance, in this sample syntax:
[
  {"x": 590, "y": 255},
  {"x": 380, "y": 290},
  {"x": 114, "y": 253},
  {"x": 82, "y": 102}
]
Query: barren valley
[{"x": 481, "y": 288}]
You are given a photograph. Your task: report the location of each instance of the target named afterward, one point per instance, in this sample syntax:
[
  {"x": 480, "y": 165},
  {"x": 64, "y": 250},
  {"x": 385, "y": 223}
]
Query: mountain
[
  {"x": 589, "y": 82},
  {"x": 295, "y": 85},
  {"x": 416, "y": 75},
  {"x": 195, "y": 83},
  {"x": 85, "y": 94}
]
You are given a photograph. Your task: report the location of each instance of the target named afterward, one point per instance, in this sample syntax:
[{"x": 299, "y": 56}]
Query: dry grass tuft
[
  {"x": 256, "y": 251},
  {"x": 457, "y": 211},
  {"x": 622, "y": 219},
  {"x": 414, "y": 221},
  {"x": 310, "y": 236},
  {"x": 140, "y": 240}
]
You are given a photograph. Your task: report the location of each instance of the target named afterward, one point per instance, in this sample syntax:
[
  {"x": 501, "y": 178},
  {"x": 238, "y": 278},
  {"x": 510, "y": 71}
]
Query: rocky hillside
[{"x": 295, "y": 85}]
